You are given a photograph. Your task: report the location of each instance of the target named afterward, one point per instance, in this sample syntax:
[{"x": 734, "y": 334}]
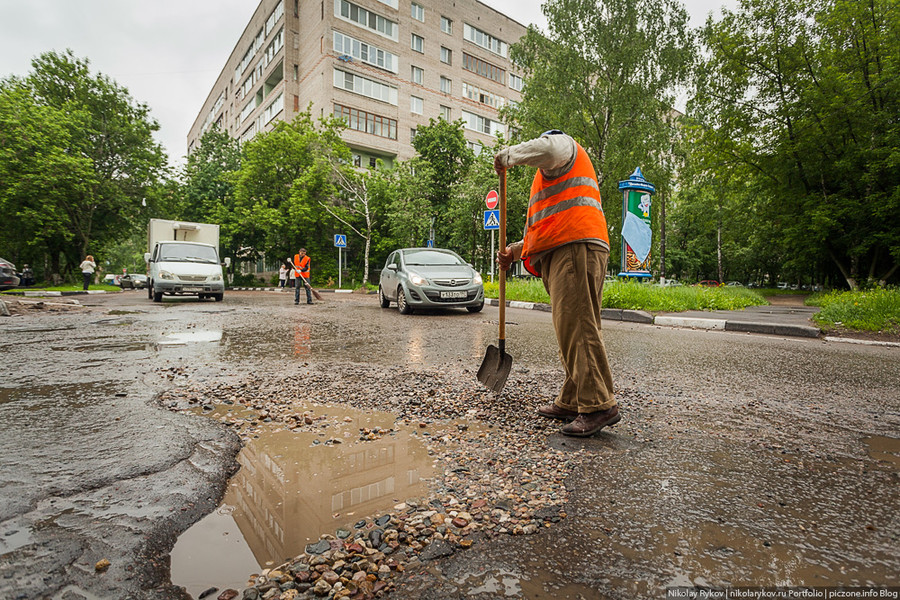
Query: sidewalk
[{"x": 793, "y": 321}]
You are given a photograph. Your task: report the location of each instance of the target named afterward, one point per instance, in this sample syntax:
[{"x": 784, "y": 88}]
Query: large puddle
[{"x": 293, "y": 487}]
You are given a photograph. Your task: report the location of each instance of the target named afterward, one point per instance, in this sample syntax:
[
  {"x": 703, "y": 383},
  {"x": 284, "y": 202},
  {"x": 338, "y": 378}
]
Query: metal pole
[
  {"x": 493, "y": 259},
  {"x": 339, "y": 267}
]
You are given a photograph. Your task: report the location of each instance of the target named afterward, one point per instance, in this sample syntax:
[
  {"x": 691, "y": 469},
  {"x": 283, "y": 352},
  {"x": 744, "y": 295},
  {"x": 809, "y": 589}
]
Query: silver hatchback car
[{"x": 429, "y": 278}]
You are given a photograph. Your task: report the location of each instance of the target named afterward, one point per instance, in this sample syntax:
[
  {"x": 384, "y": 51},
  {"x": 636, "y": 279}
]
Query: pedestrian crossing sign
[
  {"x": 492, "y": 219},
  {"x": 340, "y": 241}
]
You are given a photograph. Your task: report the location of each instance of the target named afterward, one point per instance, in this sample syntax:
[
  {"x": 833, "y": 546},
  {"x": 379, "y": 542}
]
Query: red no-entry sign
[{"x": 492, "y": 199}]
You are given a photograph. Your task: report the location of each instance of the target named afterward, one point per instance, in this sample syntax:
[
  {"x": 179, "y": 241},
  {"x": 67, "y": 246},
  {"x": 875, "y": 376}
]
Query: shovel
[{"x": 497, "y": 363}]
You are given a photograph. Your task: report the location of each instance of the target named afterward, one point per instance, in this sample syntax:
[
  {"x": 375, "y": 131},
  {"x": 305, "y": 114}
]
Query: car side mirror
[
  {"x": 392, "y": 266},
  {"x": 146, "y": 257}
]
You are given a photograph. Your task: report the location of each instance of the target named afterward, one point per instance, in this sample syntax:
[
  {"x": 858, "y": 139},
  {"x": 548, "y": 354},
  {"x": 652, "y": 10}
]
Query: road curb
[
  {"x": 644, "y": 317},
  {"x": 287, "y": 289}
]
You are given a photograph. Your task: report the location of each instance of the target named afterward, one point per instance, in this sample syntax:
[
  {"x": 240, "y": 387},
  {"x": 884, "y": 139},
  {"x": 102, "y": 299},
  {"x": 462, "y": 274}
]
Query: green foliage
[
  {"x": 284, "y": 179},
  {"x": 442, "y": 145},
  {"x": 77, "y": 160},
  {"x": 872, "y": 310},
  {"x": 795, "y": 111}
]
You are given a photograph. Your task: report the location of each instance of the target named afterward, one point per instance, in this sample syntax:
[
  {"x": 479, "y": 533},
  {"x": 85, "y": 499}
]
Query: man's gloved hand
[{"x": 505, "y": 258}]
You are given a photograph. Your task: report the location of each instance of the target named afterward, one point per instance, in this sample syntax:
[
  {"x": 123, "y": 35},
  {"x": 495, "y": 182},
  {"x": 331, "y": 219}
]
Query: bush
[{"x": 872, "y": 310}]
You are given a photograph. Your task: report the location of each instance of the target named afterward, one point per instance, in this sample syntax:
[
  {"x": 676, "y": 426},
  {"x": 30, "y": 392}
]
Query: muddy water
[{"x": 295, "y": 486}]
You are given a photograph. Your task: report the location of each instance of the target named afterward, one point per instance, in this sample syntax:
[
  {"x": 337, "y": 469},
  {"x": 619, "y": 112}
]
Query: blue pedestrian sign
[
  {"x": 431, "y": 243},
  {"x": 340, "y": 240},
  {"x": 492, "y": 219}
]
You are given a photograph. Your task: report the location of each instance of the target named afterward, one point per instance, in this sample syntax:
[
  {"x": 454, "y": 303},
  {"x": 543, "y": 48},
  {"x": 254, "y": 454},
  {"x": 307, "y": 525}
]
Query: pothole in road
[{"x": 293, "y": 487}]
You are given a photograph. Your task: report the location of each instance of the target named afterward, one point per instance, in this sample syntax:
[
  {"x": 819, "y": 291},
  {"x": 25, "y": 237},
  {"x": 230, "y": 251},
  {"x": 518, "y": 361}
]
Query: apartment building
[{"x": 385, "y": 66}]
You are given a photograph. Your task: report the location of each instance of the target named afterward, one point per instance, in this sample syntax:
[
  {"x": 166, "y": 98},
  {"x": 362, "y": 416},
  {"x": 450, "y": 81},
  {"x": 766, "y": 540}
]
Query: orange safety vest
[
  {"x": 564, "y": 210},
  {"x": 301, "y": 266}
]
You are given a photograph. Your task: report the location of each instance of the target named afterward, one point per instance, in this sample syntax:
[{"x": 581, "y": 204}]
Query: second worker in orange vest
[
  {"x": 301, "y": 272},
  {"x": 566, "y": 244}
]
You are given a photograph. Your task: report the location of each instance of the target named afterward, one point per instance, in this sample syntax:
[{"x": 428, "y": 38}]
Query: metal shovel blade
[{"x": 495, "y": 368}]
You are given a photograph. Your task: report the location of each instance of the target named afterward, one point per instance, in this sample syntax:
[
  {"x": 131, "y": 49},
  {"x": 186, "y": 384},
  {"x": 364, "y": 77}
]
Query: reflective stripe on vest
[
  {"x": 564, "y": 210},
  {"x": 301, "y": 266}
]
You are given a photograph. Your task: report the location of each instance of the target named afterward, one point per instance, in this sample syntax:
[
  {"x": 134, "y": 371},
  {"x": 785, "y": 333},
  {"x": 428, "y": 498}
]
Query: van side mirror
[
  {"x": 146, "y": 257},
  {"x": 227, "y": 261}
]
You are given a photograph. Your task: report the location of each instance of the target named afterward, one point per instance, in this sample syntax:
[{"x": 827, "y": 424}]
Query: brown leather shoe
[
  {"x": 552, "y": 411},
  {"x": 587, "y": 424}
]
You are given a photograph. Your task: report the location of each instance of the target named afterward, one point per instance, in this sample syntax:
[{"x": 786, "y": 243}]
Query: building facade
[{"x": 385, "y": 66}]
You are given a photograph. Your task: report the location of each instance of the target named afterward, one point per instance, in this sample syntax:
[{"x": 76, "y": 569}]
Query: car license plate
[
  {"x": 453, "y": 294},
  {"x": 192, "y": 288}
]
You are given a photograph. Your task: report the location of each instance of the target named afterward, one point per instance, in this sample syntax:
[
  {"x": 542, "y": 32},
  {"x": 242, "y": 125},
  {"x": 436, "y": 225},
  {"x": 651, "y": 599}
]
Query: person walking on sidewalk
[
  {"x": 282, "y": 276},
  {"x": 566, "y": 244},
  {"x": 301, "y": 271},
  {"x": 87, "y": 267}
]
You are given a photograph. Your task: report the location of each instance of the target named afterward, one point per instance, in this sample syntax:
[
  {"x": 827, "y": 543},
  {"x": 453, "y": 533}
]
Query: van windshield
[{"x": 187, "y": 253}]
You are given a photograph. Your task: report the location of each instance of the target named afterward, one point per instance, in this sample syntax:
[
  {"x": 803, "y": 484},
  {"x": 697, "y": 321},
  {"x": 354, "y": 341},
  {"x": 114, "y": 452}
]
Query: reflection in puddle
[
  {"x": 198, "y": 336},
  {"x": 294, "y": 486},
  {"x": 884, "y": 449}
]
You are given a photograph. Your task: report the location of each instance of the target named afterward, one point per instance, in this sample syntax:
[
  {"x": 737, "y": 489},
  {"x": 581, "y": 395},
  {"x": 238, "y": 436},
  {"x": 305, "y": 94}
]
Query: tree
[
  {"x": 284, "y": 179},
  {"x": 442, "y": 145},
  {"x": 800, "y": 98},
  {"x": 86, "y": 152},
  {"x": 606, "y": 73}
]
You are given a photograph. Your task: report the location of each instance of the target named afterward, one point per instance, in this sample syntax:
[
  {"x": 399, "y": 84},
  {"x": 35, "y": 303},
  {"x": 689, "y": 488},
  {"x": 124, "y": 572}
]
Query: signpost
[
  {"x": 492, "y": 221},
  {"x": 340, "y": 241}
]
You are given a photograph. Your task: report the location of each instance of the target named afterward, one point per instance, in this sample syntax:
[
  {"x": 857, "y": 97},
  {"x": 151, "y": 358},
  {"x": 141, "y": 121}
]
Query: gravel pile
[{"x": 495, "y": 474}]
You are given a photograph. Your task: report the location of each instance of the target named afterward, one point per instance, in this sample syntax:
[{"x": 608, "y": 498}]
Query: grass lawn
[
  {"x": 872, "y": 310},
  {"x": 642, "y": 296},
  {"x": 67, "y": 288}
]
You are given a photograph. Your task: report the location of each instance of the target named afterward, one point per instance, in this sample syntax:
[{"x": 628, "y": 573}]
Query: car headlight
[
  {"x": 417, "y": 279},
  {"x": 215, "y": 277},
  {"x": 166, "y": 275},
  {"x": 477, "y": 279}
]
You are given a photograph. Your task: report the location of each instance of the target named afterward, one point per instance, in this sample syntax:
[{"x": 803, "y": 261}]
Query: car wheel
[
  {"x": 157, "y": 296},
  {"x": 382, "y": 298},
  {"x": 218, "y": 297},
  {"x": 402, "y": 304},
  {"x": 150, "y": 291},
  {"x": 475, "y": 309}
]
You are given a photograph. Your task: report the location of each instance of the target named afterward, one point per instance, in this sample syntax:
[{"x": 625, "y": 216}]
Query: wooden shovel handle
[{"x": 502, "y": 272}]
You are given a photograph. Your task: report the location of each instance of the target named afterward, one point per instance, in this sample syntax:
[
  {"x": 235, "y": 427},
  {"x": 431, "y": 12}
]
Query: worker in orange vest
[
  {"x": 566, "y": 244},
  {"x": 301, "y": 273}
]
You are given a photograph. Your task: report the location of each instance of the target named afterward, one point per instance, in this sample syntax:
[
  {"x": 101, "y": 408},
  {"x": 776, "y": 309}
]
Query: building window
[
  {"x": 446, "y": 55},
  {"x": 372, "y": 162},
  {"x": 296, "y": 72},
  {"x": 446, "y": 85},
  {"x": 481, "y": 124},
  {"x": 365, "y": 86},
  {"x": 365, "y": 18},
  {"x": 445, "y": 113},
  {"x": 446, "y": 25},
  {"x": 479, "y": 95},
  {"x": 357, "y": 160},
  {"x": 367, "y": 53},
  {"x": 360, "y": 120},
  {"x": 418, "y": 12},
  {"x": 274, "y": 109},
  {"x": 516, "y": 82},
  {"x": 417, "y": 43},
  {"x": 417, "y": 75},
  {"x": 485, "y": 40},
  {"x": 416, "y": 105},
  {"x": 483, "y": 68},
  {"x": 412, "y": 135}
]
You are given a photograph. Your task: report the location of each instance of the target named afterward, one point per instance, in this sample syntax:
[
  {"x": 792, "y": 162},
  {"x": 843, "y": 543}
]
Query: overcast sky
[{"x": 168, "y": 53}]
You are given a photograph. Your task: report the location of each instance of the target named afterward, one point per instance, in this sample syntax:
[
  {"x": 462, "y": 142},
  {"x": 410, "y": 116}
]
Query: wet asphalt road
[{"x": 741, "y": 459}]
